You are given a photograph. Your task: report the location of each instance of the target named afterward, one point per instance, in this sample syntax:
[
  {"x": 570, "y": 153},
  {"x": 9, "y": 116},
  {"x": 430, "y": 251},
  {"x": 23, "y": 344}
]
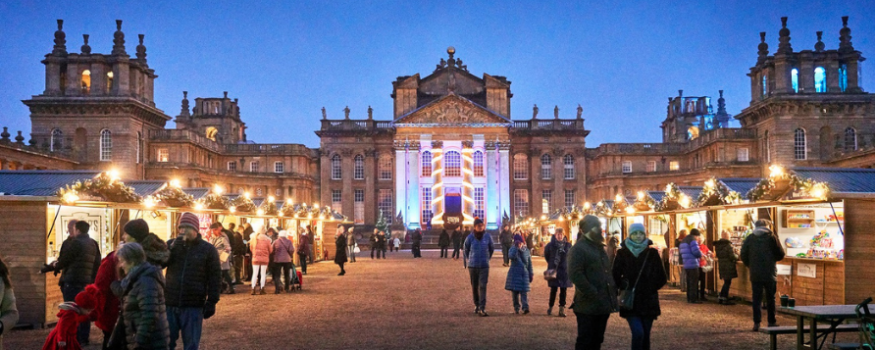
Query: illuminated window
[
  {"x": 85, "y": 82},
  {"x": 843, "y": 77},
  {"x": 850, "y": 139},
  {"x": 384, "y": 203},
  {"x": 651, "y": 166},
  {"x": 427, "y": 212},
  {"x": 386, "y": 168},
  {"x": 426, "y": 164},
  {"x": 546, "y": 167},
  {"x": 211, "y": 133},
  {"x": 253, "y": 167},
  {"x": 799, "y": 144},
  {"x": 546, "y": 199},
  {"x": 232, "y": 166},
  {"x": 279, "y": 167},
  {"x": 674, "y": 165},
  {"x": 359, "y": 207},
  {"x": 452, "y": 164},
  {"x": 521, "y": 202},
  {"x": 164, "y": 155},
  {"x": 105, "y": 145},
  {"x": 478, "y": 163},
  {"x": 765, "y": 85},
  {"x": 336, "y": 171},
  {"x": 743, "y": 154},
  {"x": 568, "y": 162},
  {"x": 819, "y": 79},
  {"x": 520, "y": 166},
  {"x": 627, "y": 166},
  {"x": 692, "y": 133},
  {"x": 359, "y": 167},
  {"x": 109, "y": 82},
  {"x": 479, "y": 204},
  {"x": 57, "y": 140},
  {"x": 569, "y": 198}
]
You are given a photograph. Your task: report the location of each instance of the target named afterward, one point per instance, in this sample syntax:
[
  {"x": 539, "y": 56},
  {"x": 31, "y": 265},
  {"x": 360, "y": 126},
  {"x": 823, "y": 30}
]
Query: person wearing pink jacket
[{"x": 260, "y": 245}]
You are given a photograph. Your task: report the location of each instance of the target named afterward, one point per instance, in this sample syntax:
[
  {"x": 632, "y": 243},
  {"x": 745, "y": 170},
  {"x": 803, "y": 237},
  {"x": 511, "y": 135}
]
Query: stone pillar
[
  {"x": 121, "y": 76},
  {"x": 73, "y": 80},
  {"x": 535, "y": 204},
  {"x": 492, "y": 168},
  {"x": 558, "y": 180},
  {"x": 754, "y": 90},
  {"x": 806, "y": 75},
  {"x": 580, "y": 176},
  {"x": 370, "y": 211},
  {"x": 467, "y": 178},
  {"x": 325, "y": 165},
  {"x": 98, "y": 79},
  {"x": 53, "y": 76},
  {"x": 346, "y": 190},
  {"x": 413, "y": 208},
  {"x": 853, "y": 72},
  {"x": 504, "y": 192},
  {"x": 401, "y": 180},
  {"x": 832, "y": 76},
  {"x": 782, "y": 75}
]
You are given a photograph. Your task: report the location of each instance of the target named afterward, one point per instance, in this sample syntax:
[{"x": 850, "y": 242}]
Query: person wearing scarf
[
  {"x": 556, "y": 254},
  {"x": 478, "y": 252},
  {"x": 636, "y": 256}
]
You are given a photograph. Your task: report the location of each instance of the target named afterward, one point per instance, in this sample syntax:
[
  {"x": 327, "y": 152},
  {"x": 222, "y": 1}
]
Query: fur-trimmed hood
[{"x": 156, "y": 250}]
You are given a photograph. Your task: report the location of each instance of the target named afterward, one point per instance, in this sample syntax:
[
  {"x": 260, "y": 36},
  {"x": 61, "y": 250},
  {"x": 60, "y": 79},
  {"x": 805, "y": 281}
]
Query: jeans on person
[
  {"x": 374, "y": 250},
  {"x": 68, "y": 292},
  {"x": 303, "y": 260},
  {"x": 590, "y": 331},
  {"x": 381, "y": 251},
  {"x": 188, "y": 320},
  {"x": 350, "y": 252},
  {"x": 444, "y": 252},
  {"x": 724, "y": 292},
  {"x": 226, "y": 275},
  {"x": 479, "y": 279},
  {"x": 692, "y": 278},
  {"x": 770, "y": 290},
  {"x": 281, "y": 269},
  {"x": 701, "y": 283},
  {"x": 259, "y": 270},
  {"x": 562, "y": 294},
  {"x": 417, "y": 252},
  {"x": 516, "y": 300},
  {"x": 455, "y": 252},
  {"x": 683, "y": 280},
  {"x": 640, "y": 327},
  {"x": 505, "y": 253}
]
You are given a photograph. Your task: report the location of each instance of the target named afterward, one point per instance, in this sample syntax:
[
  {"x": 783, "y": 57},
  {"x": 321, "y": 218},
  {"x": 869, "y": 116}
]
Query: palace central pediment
[{"x": 452, "y": 110}]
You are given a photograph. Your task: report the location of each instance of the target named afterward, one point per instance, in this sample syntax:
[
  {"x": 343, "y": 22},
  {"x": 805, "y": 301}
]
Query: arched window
[
  {"x": 568, "y": 162},
  {"x": 108, "y": 82},
  {"x": 105, "y": 145},
  {"x": 843, "y": 77},
  {"x": 85, "y": 82},
  {"x": 57, "y": 140},
  {"x": 426, "y": 164},
  {"x": 478, "y": 163},
  {"x": 520, "y": 166},
  {"x": 546, "y": 167},
  {"x": 452, "y": 164},
  {"x": 819, "y": 79},
  {"x": 850, "y": 139},
  {"x": 336, "y": 171},
  {"x": 794, "y": 79},
  {"x": 799, "y": 144},
  {"x": 359, "y": 167}
]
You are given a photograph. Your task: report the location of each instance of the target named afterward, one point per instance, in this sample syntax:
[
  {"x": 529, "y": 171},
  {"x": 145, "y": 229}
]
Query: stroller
[
  {"x": 867, "y": 325},
  {"x": 297, "y": 279}
]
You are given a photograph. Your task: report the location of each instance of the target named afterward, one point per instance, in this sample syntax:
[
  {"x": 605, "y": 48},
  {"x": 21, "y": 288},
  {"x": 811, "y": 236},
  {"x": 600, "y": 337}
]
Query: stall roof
[
  {"x": 197, "y": 192},
  {"x": 841, "y": 179},
  {"x": 145, "y": 187},
  {"x": 656, "y": 195},
  {"x": 740, "y": 185},
  {"x": 40, "y": 182},
  {"x": 691, "y": 191}
]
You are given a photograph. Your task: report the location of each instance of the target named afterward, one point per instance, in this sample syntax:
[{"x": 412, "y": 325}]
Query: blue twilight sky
[{"x": 285, "y": 60}]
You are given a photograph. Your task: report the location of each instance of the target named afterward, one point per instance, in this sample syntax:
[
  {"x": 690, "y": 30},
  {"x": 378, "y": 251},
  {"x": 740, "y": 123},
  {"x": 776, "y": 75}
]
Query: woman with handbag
[
  {"x": 638, "y": 270},
  {"x": 556, "y": 254}
]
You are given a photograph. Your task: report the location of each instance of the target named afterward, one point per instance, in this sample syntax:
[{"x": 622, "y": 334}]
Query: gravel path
[{"x": 406, "y": 303}]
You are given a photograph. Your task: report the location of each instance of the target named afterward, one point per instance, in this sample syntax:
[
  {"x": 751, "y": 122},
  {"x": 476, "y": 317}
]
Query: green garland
[
  {"x": 717, "y": 194},
  {"x": 268, "y": 207},
  {"x": 806, "y": 186},
  {"x": 215, "y": 201},
  {"x": 174, "y": 197},
  {"x": 104, "y": 187},
  {"x": 646, "y": 203},
  {"x": 243, "y": 204},
  {"x": 670, "y": 200}
]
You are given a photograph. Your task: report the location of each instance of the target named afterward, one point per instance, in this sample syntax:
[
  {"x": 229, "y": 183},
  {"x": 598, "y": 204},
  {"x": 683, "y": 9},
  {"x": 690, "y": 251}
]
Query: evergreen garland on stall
[
  {"x": 101, "y": 187},
  {"x": 174, "y": 197}
]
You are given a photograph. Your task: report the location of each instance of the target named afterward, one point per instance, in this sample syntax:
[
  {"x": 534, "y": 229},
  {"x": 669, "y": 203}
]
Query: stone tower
[{"x": 216, "y": 118}]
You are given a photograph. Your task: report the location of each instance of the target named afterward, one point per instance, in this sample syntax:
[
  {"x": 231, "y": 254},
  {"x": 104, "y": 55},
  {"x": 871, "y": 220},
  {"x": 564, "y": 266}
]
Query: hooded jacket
[
  {"x": 760, "y": 253},
  {"x": 520, "y": 273},
  {"x": 726, "y": 259},
  {"x": 193, "y": 276},
  {"x": 144, "y": 315},
  {"x": 590, "y": 271},
  {"x": 478, "y": 251},
  {"x": 690, "y": 252},
  {"x": 550, "y": 254}
]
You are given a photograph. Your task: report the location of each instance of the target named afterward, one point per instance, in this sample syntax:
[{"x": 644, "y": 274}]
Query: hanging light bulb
[
  {"x": 149, "y": 202},
  {"x": 175, "y": 183},
  {"x": 218, "y": 189}
]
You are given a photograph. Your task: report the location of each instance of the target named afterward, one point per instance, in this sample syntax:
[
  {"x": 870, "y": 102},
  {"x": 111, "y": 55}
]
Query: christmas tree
[{"x": 381, "y": 222}]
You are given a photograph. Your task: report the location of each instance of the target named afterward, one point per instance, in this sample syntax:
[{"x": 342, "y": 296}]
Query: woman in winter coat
[
  {"x": 638, "y": 261},
  {"x": 303, "y": 252},
  {"x": 444, "y": 243},
  {"x": 261, "y": 248},
  {"x": 142, "y": 293},
  {"x": 726, "y": 263},
  {"x": 690, "y": 254},
  {"x": 520, "y": 274},
  {"x": 283, "y": 249},
  {"x": 340, "y": 251},
  {"x": 556, "y": 254},
  {"x": 8, "y": 309},
  {"x": 703, "y": 261}
]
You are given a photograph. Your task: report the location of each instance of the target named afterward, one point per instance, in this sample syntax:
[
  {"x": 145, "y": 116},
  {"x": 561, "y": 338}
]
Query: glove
[{"x": 209, "y": 310}]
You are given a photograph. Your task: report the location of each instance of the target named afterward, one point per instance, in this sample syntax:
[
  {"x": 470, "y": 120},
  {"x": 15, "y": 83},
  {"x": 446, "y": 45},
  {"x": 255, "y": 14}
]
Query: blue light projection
[
  {"x": 819, "y": 79},
  {"x": 843, "y": 77},
  {"x": 794, "y": 78}
]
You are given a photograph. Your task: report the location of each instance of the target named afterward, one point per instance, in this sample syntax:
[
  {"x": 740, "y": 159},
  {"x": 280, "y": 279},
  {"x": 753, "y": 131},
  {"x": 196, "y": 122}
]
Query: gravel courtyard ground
[{"x": 406, "y": 303}]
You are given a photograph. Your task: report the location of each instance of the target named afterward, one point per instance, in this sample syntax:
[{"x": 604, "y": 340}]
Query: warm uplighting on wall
[
  {"x": 218, "y": 189},
  {"x": 776, "y": 170},
  {"x": 175, "y": 183}
]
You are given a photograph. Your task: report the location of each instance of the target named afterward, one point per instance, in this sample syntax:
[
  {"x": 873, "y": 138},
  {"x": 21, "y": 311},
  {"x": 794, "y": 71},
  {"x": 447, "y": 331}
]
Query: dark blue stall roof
[
  {"x": 841, "y": 179},
  {"x": 40, "y": 182},
  {"x": 740, "y": 184}
]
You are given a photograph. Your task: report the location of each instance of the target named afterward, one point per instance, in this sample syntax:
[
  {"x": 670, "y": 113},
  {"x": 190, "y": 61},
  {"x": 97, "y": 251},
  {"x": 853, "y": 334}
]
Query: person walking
[
  {"x": 8, "y": 307},
  {"x": 260, "y": 245},
  {"x": 374, "y": 246},
  {"x": 350, "y": 245},
  {"x": 690, "y": 254},
  {"x": 193, "y": 279},
  {"x": 760, "y": 252},
  {"x": 303, "y": 251},
  {"x": 726, "y": 265},
  {"x": 706, "y": 255},
  {"x": 283, "y": 250},
  {"x": 444, "y": 243},
  {"x": 530, "y": 239},
  {"x": 506, "y": 240},
  {"x": 677, "y": 244},
  {"x": 638, "y": 269},
  {"x": 457, "y": 242},
  {"x": 519, "y": 275},
  {"x": 397, "y": 244},
  {"x": 220, "y": 241},
  {"x": 239, "y": 250},
  {"x": 595, "y": 296},
  {"x": 340, "y": 251},
  {"x": 556, "y": 254},
  {"x": 143, "y": 302},
  {"x": 381, "y": 244},
  {"x": 417, "y": 243},
  {"x": 78, "y": 262},
  {"x": 478, "y": 252}
]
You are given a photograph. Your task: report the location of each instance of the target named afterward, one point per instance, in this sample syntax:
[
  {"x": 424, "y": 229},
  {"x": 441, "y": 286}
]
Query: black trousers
[
  {"x": 303, "y": 261},
  {"x": 341, "y": 267},
  {"x": 444, "y": 251},
  {"x": 590, "y": 331},
  {"x": 281, "y": 269},
  {"x": 701, "y": 284},
  {"x": 373, "y": 250},
  {"x": 455, "y": 251},
  {"x": 238, "y": 266},
  {"x": 417, "y": 253},
  {"x": 505, "y": 253},
  {"x": 692, "y": 280},
  {"x": 563, "y": 292},
  {"x": 381, "y": 251},
  {"x": 770, "y": 290},
  {"x": 724, "y": 292},
  {"x": 226, "y": 275}
]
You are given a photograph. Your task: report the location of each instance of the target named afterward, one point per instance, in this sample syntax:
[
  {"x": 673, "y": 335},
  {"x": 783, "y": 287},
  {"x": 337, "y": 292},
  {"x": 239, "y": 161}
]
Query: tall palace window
[
  {"x": 359, "y": 167},
  {"x": 850, "y": 139},
  {"x": 521, "y": 202},
  {"x": 478, "y": 163},
  {"x": 799, "y": 144},
  {"x": 452, "y": 164},
  {"x": 384, "y": 203},
  {"x": 385, "y": 168},
  {"x": 520, "y": 166},
  {"x": 426, "y": 164},
  {"x": 57, "y": 140},
  {"x": 336, "y": 171},
  {"x": 794, "y": 79},
  {"x": 105, "y": 145},
  {"x": 568, "y": 162},
  {"x": 546, "y": 167},
  {"x": 843, "y": 77},
  {"x": 479, "y": 203},
  {"x": 819, "y": 79},
  {"x": 427, "y": 213}
]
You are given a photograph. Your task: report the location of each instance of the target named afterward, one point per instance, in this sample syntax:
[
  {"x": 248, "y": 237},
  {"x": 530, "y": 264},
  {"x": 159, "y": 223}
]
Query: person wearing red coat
[
  {"x": 106, "y": 311},
  {"x": 63, "y": 337}
]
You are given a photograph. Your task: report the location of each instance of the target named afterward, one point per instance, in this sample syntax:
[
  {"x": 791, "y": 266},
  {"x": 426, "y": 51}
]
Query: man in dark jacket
[
  {"x": 726, "y": 261},
  {"x": 760, "y": 253},
  {"x": 595, "y": 295},
  {"x": 193, "y": 283},
  {"x": 374, "y": 246},
  {"x": 444, "y": 243},
  {"x": 456, "y": 237},
  {"x": 506, "y": 239},
  {"x": 478, "y": 252},
  {"x": 78, "y": 262},
  {"x": 417, "y": 243}
]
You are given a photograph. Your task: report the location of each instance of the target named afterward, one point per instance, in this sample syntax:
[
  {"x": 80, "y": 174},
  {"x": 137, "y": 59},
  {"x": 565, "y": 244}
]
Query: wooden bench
[
  {"x": 773, "y": 332},
  {"x": 845, "y": 346}
]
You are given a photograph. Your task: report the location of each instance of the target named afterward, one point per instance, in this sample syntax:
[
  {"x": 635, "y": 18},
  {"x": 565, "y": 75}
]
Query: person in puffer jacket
[
  {"x": 690, "y": 255},
  {"x": 520, "y": 274},
  {"x": 142, "y": 293},
  {"x": 260, "y": 245},
  {"x": 478, "y": 252}
]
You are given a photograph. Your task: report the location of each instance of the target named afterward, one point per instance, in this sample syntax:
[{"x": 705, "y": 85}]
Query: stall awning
[
  {"x": 40, "y": 182},
  {"x": 145, "y": 187},
  {"x": 691, "y": 191},
  {"x": 740, "y": 185},
  {"x": 197, "y": 192},
  {"x": 847, "y": 180}
]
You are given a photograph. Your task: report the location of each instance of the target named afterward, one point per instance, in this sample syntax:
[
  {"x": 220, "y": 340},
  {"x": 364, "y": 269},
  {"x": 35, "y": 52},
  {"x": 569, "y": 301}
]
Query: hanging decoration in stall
[
  {"x": 716, "y": 193},
  {"x": 105, "y": 186},
  {"x": 644, "y": 202},
  {"x": 173, "y": 196}
]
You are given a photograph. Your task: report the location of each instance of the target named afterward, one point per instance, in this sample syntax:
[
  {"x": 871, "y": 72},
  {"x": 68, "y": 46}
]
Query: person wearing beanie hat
[
  {"x": 478, "y": 251},
  {"x": 595, "y": 295},
  {"x": 137, "y": 229},
  {"x": 193, "y": 282},
  {"x": 520, "y": 274},
  {"x": 638, "y": 269},
  {"x": 690, "y": 253}
]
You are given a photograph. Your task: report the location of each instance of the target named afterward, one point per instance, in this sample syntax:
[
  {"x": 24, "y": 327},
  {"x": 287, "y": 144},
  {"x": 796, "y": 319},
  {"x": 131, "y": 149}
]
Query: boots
[
  {"x": 561, "y": 311},
  {"x": 254, "y": 292},
  {"x": 261, "y": 291},
  {"x": 550, "y": 311}
]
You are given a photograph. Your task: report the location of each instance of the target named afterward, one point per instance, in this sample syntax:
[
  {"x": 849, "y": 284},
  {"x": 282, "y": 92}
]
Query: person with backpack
[
  {"x": 519, "y": 275},
  {"x": 690, "y": 253},
  {"x": 283, "y": 249},
  {"x": 638, "y": 270},
  {"x": 761, "y": 252}
]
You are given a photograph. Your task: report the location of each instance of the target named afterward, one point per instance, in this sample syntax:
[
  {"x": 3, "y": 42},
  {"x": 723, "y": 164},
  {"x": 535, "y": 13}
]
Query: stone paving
[{"x": 406, "y": 303}]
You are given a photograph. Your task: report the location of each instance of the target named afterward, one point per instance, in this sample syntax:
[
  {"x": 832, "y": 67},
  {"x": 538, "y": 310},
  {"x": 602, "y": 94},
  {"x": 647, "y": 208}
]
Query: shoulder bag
[
  {"x": 550, "y": 274},
  {"x": 626, "y": 298}
]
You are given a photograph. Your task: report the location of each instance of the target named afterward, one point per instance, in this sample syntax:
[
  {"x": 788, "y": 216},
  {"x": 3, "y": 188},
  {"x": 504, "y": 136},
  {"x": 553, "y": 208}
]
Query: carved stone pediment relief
[{"x": 452, "y": 111}]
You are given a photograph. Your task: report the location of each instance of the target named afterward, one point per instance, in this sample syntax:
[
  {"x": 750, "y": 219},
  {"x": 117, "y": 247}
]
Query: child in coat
[
  {"x": 71, "y": 314},
  {"x": 520, "y": 274}
]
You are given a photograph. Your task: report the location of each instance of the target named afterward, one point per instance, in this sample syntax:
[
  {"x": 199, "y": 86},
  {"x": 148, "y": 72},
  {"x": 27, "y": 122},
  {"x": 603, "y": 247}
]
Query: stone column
[
  {"x": 325, "y": 188},
  {"x": 580, "y": 176},
  {"x": 853, "y": 72},
  {"x": 806, "y": 75},
  {"x": 73, "y": 80},
  {"x": 467, "y": 178},
  {"x": 98, "y": 79},
  {"x": 832, "y": 76},
  {"x": 535, "y": 204},
  {"x": 121, "y": 76},
  {"x": 370, "y": 211},
  {"x": 558, "y": 179},
  {"x": 346, "y": 191},
  {"x": 53, "y": 76},
  {"x": 754, "y": 90},
  {"x": 401, "y": 180},
  {"x": 504, "y": 192},
  {"x": 491, "y": 168},
  {"x": 782, "y": 75}
]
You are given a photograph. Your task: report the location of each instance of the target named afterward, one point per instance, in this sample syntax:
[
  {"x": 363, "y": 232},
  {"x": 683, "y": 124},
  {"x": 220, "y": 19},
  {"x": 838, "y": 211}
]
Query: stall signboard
[
  {"x": 205, "y": 221},
  {"x": 784, "y": 270},
  {"x": 806, "y": 270}
]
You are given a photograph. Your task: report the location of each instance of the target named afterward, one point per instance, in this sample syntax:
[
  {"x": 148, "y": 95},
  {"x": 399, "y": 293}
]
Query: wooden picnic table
[{"x": 834, "y": 315}]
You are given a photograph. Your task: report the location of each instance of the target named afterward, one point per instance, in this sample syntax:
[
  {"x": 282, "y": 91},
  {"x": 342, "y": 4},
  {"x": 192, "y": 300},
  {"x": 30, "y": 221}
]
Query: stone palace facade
[{"x": 450, "y": 151}]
